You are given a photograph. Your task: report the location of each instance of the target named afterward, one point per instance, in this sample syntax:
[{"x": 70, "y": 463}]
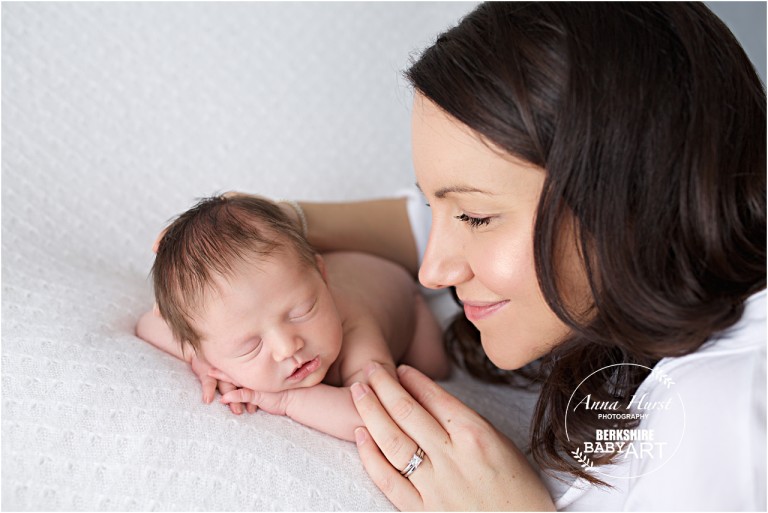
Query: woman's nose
[
  {"x": 285, "y": 345},
  {"x": 444, "y": 264}
]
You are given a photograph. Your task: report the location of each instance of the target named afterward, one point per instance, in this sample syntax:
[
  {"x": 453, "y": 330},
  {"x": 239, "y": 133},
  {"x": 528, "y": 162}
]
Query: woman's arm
[{"x": 379, "y": 227}]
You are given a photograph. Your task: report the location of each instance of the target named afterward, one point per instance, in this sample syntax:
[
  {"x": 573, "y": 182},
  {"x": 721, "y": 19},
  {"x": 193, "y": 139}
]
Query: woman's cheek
[
  {"x": 505, "y": 266},
  {"x": 526, "y": 328}
]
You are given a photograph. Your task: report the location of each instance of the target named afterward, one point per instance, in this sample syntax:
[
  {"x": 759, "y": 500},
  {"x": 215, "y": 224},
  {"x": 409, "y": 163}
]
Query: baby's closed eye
[
  {"x": 303, "y": 310},
  {"x": 252, "y": 349}
]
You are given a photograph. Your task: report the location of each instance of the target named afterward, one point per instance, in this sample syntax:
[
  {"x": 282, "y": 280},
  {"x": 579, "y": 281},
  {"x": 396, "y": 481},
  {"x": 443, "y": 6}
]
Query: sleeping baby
[{"x": 241, "y": 294}]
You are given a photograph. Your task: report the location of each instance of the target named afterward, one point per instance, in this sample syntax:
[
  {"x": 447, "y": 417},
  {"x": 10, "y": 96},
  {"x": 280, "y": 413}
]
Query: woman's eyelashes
[{"x": 473, "y": 222}]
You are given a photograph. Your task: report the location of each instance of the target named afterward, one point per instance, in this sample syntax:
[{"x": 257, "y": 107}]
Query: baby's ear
[{"x": 321, "y": 266}]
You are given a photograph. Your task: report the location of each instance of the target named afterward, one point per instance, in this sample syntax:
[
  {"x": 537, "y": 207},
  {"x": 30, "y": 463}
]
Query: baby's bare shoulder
[
  {"x": 362, "y": 268},
  {"x": 364, "y": 285}
]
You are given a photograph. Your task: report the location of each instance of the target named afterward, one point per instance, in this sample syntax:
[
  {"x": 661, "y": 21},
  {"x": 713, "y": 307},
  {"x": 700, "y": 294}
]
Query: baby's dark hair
[{"x": 207, "y": 241}]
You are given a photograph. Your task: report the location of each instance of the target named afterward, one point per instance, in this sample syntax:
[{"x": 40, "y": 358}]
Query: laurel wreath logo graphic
[
  {"x": 583, "y": 459},
  {"x": 662, "y": 378}
]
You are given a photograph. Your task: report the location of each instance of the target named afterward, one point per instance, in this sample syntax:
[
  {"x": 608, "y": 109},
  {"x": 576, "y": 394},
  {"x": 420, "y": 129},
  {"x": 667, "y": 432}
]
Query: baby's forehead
[{"x": 254, "y": 266}]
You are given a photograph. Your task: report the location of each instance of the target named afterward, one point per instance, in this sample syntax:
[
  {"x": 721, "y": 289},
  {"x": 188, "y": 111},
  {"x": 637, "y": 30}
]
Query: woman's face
[{"x": 483, "y": 211}]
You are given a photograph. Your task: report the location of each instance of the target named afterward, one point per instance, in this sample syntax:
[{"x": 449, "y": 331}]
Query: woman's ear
[{"x": 321, "y": 267}]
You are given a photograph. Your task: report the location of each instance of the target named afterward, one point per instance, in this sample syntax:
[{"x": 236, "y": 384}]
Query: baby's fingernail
[
  {"x": 370, "y": 368},
  {"x": 359, "y": 436},
  {"x": 358, "y": 390}
]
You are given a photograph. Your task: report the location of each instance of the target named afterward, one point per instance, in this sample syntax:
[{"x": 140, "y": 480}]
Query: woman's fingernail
[
  {"x": 401, "y": 369},
  {"x": 358, "y": 390},
  {"x": 370, "y": 368},
  {"x": 359, "y": 436}
]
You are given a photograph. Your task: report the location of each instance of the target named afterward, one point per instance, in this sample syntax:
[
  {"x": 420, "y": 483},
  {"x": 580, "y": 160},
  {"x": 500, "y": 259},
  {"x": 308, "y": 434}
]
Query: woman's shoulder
[
  {"x": 716, "y": 439},
  {"x": 727, "y": 353},
  {"x": 704, "y": 427}
]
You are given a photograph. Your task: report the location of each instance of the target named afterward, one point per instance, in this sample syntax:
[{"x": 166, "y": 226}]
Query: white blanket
[{"x": 115, "y": 118}]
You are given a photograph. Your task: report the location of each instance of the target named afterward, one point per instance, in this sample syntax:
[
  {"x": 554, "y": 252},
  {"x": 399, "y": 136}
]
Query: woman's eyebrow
[{"x": 456, "y": 189}]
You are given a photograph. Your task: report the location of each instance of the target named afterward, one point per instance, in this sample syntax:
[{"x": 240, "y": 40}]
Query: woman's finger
[
  {"x": 406, "y": 411},
  {"x": 403, "y": 495},
  {"x": 397, "y": 446},
  {"x": 442, "y": 406},
  {"x": 156, "y": 244}
]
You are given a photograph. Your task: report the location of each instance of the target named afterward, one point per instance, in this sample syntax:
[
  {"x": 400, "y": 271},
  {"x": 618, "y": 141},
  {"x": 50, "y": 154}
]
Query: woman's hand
[{"x": 469, "y": 465}]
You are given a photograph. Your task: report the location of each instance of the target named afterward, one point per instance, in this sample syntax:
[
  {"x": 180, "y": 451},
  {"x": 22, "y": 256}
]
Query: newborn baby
[{"x": 240, "y": 290}]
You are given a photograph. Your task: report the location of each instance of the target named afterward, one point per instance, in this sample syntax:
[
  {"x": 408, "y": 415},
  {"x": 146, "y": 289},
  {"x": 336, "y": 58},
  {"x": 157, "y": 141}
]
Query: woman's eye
[{"x": 474, "y": 222}]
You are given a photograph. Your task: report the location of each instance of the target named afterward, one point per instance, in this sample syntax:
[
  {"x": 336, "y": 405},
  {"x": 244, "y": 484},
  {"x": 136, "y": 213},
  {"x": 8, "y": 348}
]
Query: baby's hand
[
  {"x": 275, "y": 403},
  {"x": 203, "y": 371},
  {"x": 226, "y": 387}
]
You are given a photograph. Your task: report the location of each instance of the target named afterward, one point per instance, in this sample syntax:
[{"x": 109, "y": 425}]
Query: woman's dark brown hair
[{"x": 649, "y": 120}]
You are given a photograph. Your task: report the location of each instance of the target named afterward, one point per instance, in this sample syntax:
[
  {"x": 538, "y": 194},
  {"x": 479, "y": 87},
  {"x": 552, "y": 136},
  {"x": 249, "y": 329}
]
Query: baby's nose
[{"x": 286, "y": 346}]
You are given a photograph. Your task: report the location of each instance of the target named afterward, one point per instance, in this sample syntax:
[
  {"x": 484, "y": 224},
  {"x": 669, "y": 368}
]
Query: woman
[
  {"x": 596, "y": 174},
  {"x": 596, "y": 177}
]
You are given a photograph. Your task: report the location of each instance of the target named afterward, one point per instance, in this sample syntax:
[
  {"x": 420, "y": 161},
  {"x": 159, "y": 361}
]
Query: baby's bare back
[{"x": 370, "y": 290}]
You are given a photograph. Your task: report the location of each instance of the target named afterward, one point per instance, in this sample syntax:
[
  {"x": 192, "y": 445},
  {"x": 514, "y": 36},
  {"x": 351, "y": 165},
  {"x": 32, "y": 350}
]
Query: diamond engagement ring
[{"x": 416, "y": 460}]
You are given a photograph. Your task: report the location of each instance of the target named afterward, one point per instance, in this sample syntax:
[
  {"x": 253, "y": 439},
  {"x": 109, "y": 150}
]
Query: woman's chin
[{"x": 507, "y": 356}]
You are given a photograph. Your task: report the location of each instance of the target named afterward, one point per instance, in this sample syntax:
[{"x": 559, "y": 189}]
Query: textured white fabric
[{"x": 116, "y": 116}]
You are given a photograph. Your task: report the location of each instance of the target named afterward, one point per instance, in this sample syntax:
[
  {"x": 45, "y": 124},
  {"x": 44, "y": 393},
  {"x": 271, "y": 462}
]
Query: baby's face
[{"x": 271, "y": 326}]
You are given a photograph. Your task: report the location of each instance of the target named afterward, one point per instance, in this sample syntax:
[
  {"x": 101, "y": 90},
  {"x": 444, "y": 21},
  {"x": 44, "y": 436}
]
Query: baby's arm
[
  {"x": 323, "y": 407},
  {"x": 152, "y": 328}
]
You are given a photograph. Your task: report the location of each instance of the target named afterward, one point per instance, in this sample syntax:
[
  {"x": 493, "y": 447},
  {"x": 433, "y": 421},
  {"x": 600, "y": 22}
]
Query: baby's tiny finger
[
  {"x": 226, "y": 387},
  {"x": 241, "y": 395},
  {"x": 236, "y": 408},
  {"x": 209, "y": 390}
]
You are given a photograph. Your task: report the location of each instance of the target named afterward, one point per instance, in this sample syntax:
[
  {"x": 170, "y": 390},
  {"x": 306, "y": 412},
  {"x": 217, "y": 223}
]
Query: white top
[{"x": 715, "y": 452}]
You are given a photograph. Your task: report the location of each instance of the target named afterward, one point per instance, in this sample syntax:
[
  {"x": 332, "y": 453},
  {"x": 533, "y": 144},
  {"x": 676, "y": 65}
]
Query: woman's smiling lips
[
  {"x": 478, "y": 310},
  {"x": 305, "y": 369}
]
